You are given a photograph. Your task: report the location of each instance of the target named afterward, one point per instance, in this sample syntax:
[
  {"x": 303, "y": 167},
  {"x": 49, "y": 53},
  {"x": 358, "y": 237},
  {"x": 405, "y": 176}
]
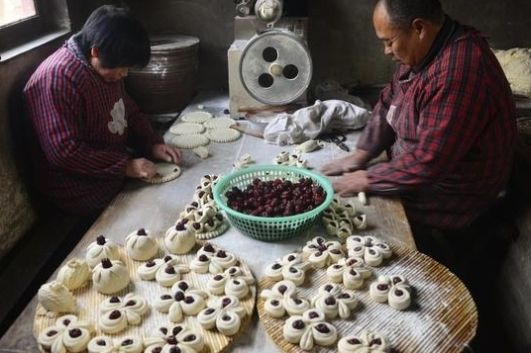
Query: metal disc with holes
[{"x": 276, "y": 67}]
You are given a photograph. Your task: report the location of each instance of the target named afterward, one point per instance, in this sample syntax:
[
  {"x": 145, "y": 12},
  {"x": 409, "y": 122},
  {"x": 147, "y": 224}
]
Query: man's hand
[
  {"x": 140, "y": 168},
  {"x": 350, "y": 163},
  {"x": 166, "y": 153},
  {"x": 351, "y": 183}
]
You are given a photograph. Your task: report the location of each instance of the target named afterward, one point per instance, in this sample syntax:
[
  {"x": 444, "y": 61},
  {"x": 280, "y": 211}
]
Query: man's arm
[{"x": 375, "y": 138}]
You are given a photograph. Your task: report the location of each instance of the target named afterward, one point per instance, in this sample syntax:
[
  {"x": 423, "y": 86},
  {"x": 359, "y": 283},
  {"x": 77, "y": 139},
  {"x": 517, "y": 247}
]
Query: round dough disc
[
  {"x": 219, "y": 123},
  {"x": 223, "y": 135},
  {"x": 187, "y": 128},
  {"x": 190, "y": 141},
  {"x": 197, "y": 117},
  {"x": 165, "y": 172}
]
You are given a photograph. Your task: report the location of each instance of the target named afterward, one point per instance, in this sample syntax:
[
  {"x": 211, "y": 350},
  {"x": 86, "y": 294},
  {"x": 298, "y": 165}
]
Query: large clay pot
[{"x": 169, "y": 81}]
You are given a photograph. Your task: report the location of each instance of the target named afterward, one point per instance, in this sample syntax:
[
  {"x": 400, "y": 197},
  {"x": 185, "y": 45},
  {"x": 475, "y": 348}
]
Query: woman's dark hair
[
  {"x": 121, "y": 40},
  {"x": 403, "y": 12}
]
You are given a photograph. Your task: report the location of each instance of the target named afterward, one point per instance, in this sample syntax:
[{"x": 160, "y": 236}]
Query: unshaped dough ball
[
  {"x": 75, "y": 274},
  {"x": 55, "y": 297}
]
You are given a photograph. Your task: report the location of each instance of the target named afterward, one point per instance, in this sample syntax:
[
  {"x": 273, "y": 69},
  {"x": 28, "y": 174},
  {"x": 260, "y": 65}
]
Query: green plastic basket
[{"x": 270, "y": 228}]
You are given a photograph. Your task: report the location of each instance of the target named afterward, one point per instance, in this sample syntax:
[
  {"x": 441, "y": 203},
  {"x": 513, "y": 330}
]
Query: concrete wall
[{"x": 341, "y": 37}]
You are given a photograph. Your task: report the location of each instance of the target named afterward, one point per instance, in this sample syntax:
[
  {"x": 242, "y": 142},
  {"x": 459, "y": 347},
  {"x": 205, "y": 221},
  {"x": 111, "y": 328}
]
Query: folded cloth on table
[{"x": 307, "y": 123}]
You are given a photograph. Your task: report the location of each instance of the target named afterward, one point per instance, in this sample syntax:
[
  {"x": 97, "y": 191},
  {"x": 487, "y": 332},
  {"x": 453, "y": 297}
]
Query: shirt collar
[{"x": 442, "y": 37}]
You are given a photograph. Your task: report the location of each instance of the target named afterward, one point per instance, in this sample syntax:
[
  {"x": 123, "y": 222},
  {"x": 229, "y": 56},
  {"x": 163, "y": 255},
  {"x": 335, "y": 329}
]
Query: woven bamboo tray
[
  {"x": 442, "y": 318},
  {"x": 89, "y": 299}
]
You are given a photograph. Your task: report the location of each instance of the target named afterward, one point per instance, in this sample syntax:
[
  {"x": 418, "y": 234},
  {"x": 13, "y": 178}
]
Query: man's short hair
[
  {"x": 121, "y": 40},
  {"x": 403, "y": 12}
]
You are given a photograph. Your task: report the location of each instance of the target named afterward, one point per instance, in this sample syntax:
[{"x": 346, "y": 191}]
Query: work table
[{"x": 156, "y": 207}]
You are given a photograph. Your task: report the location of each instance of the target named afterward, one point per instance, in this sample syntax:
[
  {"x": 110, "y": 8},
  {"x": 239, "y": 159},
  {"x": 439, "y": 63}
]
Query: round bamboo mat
[
  {"x": 441, "y": 318},
  {"x": 88, "y": 300}
]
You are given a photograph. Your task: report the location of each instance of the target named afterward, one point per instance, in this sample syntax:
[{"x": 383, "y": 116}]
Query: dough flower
[
  {"x": 282, "y": 298},
  {"x": 351, "y": 272},
  {"x": 309, "y": 329},
  {"x": 291, "y": 267},
  {"x": 174, "y": 338},
  {"x": 67, "y": 335},
  {"x": 322, "y": 253},
  {"x": 225, "y": 315},
  {"x": 210, "y": 259},
  {"x": 103, "y": 344},
  {"x": 366, "y": 342},
  {"x": 371, "y": 249},
  {"x": 117, "y": 314},
  {"x": 394, "y": 289},
  {"x": 333, "y": 301},
  {"x": 234, "y": 281},
  {"x": 185, "y": 300},
  {"x": 165, "y": 271}
]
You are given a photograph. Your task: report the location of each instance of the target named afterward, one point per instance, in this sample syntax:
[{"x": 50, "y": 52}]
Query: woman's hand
[
  {"x": 166, "y": 153},
  {"x": 140, "y": 168}
]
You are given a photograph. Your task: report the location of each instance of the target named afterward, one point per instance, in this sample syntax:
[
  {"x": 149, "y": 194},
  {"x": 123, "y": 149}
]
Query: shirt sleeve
[
  {"x": 378, "y": 135},
  {"x": 143, "y": 135},
  {"x": 452, "y": 108},
  {"x": 55, "y": 108}
]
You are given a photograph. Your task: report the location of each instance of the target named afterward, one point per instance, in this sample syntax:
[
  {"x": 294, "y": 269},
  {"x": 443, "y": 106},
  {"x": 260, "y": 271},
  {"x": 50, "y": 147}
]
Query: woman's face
[{"x": 108, "y": 75}]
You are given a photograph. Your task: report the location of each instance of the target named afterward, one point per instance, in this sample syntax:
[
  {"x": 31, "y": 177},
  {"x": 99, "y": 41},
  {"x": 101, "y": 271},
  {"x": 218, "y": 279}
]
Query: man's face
[
  {"x": 108, "y": 75},
  {"x": 403, "y": 45}
]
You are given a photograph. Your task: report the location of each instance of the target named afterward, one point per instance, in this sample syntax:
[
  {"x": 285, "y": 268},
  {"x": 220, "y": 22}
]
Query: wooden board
[
  {"x": 442, "y": 317},
  {"x": 89, "y": 299}
]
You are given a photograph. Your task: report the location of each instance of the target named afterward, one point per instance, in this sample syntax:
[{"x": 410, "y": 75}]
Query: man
[
  {"x": 447, "y": 120},
  {"x": 84, "y": 121}
]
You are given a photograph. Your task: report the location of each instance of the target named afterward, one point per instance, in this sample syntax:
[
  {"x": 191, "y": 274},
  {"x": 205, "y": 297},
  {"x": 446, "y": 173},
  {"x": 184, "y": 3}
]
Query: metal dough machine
[{"x": 270, "y": 66}]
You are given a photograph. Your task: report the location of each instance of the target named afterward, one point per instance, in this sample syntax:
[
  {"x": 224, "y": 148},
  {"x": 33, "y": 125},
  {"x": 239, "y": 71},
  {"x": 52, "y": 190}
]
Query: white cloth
[{"x": 308, "y": 123}]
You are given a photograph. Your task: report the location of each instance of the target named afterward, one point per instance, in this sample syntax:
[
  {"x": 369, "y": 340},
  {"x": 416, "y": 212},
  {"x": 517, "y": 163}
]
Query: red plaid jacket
[
  {"x": 449, "y": 127},
  {"x": 82, "y": 127}
]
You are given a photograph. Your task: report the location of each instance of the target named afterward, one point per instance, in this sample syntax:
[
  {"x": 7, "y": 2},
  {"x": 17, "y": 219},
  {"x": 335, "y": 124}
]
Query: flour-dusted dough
[
  {"x": 140, "y": 245},
  {"x": 187, "y": 128},
  {"x": 198, "y": 117},
  {"x": 516, "y": 64},
  {"x": 234, "y": 281},
  {"x": 219, "y": 123},
  {"x": 366, "y": 342},
  {"x": 190, "y": 141},
  {"x": 102, "y": 344},
  {"x": 292, "y": 267},
  {"x": 309, "y": 146},
  {"x": 75, "y": 274},
  {"x": 55, "y": 297},
  {"x": 110, "y": 276},
  {"x": 164, "y": 172},
  {"x": 201, "y": 152},
  {"x": 371, "y": 249},
  {"x": 392, "y": 289},
  {"x": 222, "y": 135}
]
